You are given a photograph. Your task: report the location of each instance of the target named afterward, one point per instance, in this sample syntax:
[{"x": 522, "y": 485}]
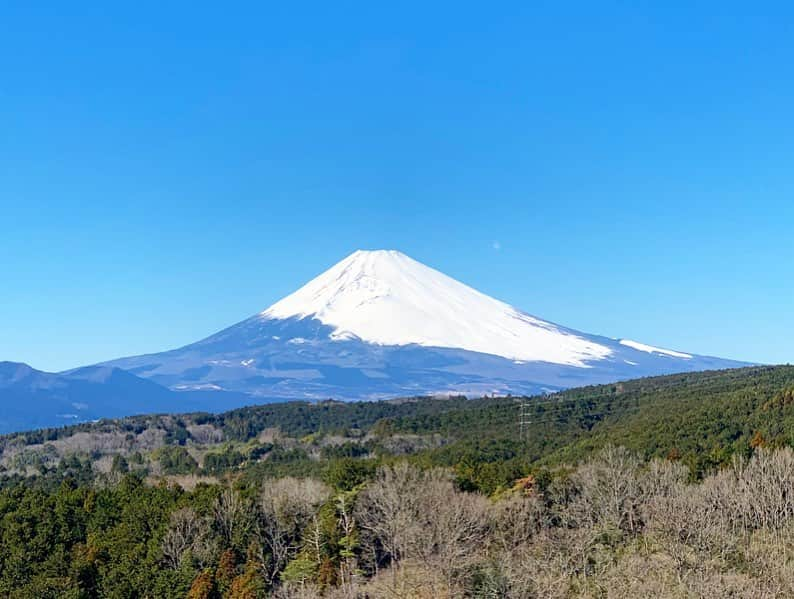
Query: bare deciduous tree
[
  {"x": 186, "y": 532},
  {"x": 608, "y": 491},
  {"x": 388, "y": 510},
  {"x": 287, "y": 506},
  {"x": 231, "y": 515},
  {"x": 415, "y": 514}
]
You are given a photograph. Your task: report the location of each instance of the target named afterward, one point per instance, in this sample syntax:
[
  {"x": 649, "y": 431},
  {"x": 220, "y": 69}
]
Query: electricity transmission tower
[{"x": 524, "y": 419}]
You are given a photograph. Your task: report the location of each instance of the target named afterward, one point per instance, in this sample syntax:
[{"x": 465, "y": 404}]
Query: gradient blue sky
[{"x": 167, "y": 169}]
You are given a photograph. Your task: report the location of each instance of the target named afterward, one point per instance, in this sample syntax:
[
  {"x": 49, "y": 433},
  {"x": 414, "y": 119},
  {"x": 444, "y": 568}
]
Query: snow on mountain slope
[
  {"x": 654, "y": 350},
  {"x": 385, "y": 297}
]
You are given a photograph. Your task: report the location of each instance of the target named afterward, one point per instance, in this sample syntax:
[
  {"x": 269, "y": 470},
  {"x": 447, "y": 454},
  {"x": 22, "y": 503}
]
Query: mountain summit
[
  {"x": 380, "y": 324},
  {"x": 387, "y": 298}
]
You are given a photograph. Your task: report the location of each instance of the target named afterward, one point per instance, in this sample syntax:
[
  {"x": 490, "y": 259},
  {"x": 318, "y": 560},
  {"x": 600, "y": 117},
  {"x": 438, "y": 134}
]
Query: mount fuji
[{"x": 379, "y": 324}]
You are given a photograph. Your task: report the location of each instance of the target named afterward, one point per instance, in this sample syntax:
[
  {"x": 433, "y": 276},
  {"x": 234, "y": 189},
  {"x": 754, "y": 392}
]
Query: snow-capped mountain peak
[
  {"x": 379, "y": 324},
  {"x": 385, "y": 297}
]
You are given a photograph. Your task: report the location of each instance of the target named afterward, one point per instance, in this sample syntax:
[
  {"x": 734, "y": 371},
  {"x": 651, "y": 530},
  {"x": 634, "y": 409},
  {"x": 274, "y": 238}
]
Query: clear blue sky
[{"x": 167, "y": 169}]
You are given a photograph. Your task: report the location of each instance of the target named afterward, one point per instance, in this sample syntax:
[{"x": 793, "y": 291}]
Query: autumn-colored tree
[
  {"x": 248, "y": 585},
  {"x": 227, "y": 570},
  {"x": 203, "y": 586},
  {"x": 525, "y": 485},
  {"x": 758, "y": 440},
  {"x": 327, "y": 574}
]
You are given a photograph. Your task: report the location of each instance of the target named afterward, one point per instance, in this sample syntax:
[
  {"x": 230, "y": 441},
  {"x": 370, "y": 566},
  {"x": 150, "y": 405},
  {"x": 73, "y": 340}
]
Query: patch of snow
[
  {"x": 385, "y": 297},
  {"x": 200, "y": 387},
  {"x": 342, "y": 336},
  {"x": 653, "y": 350}
]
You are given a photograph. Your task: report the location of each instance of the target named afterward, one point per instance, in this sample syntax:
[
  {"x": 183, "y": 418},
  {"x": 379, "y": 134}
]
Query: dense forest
[{"x": 674, "y": 486}]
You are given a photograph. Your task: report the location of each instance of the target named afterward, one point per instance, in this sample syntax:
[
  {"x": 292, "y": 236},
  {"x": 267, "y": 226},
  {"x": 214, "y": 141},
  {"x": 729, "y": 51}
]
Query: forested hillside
[
  {"x": 701, "y": 419},
  {"x": 668, "y": 486}
]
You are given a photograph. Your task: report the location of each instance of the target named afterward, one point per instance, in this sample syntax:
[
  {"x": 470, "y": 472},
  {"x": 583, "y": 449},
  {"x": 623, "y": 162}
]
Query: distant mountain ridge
[
  {"x": 31, "y": 398},
  {"x": 379, "y": 324}
]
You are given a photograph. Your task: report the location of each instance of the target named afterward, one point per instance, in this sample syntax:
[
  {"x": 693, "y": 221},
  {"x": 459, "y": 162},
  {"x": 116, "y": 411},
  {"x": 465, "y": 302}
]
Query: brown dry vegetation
[{"x": 615, "y": 527}]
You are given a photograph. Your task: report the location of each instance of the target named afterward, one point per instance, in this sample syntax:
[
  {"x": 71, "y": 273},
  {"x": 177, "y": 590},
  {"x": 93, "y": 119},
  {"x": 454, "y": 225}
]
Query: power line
[
  {"x": 564, "y": 417},
  {"x": 567, "y": 411}
]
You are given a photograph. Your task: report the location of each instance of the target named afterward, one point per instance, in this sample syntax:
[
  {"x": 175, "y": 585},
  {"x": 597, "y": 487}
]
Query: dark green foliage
[
  {"x": 347, "y": 473},
  {"x": 176, "y": 460},
  {"x": 76, "y": 541},
  {"x": 177, "y": 435},
  {"x": 120, "y": 464},
  {"x": 217, "y": 463},
  {"x": 259, "y": 451},
  {"x": 345, "y": 450}
]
